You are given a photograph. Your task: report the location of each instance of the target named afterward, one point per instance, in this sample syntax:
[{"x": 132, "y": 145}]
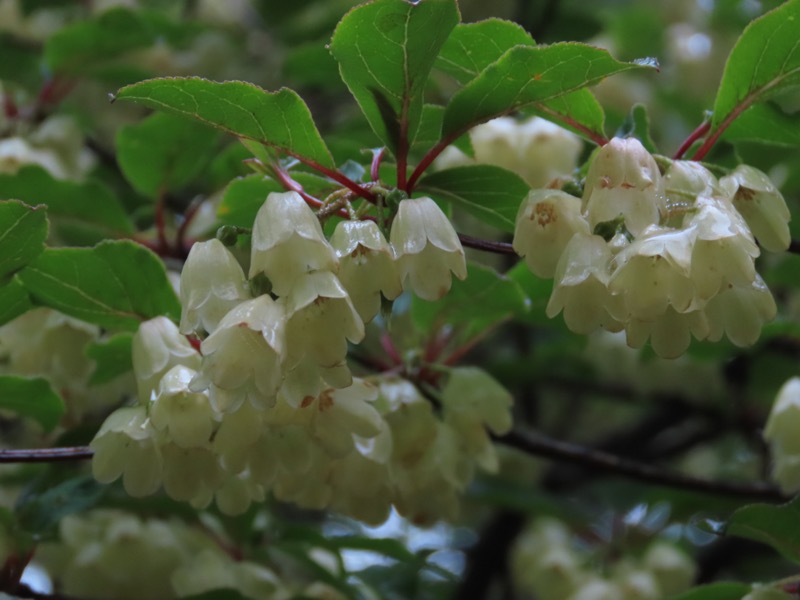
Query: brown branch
[
  {"x": 540, "y": 445},
  {"x": 794, "y": 247},
  {"x": 37, "y": 455},
  {"x": 486, "y": 245}
]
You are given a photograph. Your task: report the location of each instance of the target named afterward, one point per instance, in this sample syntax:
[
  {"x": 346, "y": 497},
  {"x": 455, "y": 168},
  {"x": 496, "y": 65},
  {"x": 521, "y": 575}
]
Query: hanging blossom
[
  {"x": 269, "y": 405},
  {"x": 664, "y": 257}
]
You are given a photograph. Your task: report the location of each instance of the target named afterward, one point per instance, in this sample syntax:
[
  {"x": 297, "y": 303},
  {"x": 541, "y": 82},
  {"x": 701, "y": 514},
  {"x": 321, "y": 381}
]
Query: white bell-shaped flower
[
  {"x": 724, "y": 251},
  {"x": 126, "y": 445},
  {"x": 366, "y": 266},
  {"x": 338, "y": 415},
  {"x": 684, "y": 181},
  {"x": 670, "y": 334},
  {"x": 185, "y": 416},
  {"x": 624, "y": 181},
  {"x": 673, "y": 569},
  {"x": 244, "y": 354},
  {"x": 191, "y": 474},
  {"x": 546, "y": 222},
  {"x": 740, "y": 312},
  {"x": 653, "y": 272},
  {"x": 762, "y": 206},
  {"x": 781, "y": 433},
  {"x": 157, "y": 347},
  {"x": 426, "y": 248},
  {"x": 288, "y": 242},
  {"x": 321, "y": 318},
  {"x": 472, "y": 402},
  {"x": 580, "y": 286},
  {"x": 212, "y": 283}
]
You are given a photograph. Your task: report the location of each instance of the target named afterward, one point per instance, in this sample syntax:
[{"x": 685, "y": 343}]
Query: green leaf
[
  {"x": 90, "y": 206},
  {"x": 578, "y": 111},
  {"x": 40, "y": 510},
  {"x": 116, "y": 284},
  {"x": 280, "y": 120},
  {"x": 221, "y": 594},
  {"x": 242, "y": 199},
  {"x": 472, "y": 47},
  {"x": 483, "y": 299},
  {"x": 80, "y": 46},
  {"x": 23, "y": 230},
  {"x": 112, "y": 357},
  {"x": 526, "y": 75},
  {"x": 728, "y": 590},
  {"x": 765, "y": 123},
  {"x": 773, "y": 525},
  {"x": 32, "y": 398},
  {"x": 490, "y": 193},
  {"x": 386, "y": 50},
  {"x": 765, "y": 60},
  {"x": 14, "y": 300},
  {"x": 164, "y": 152}
]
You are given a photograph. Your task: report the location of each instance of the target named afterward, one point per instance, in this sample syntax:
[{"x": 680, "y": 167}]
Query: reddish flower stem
[
  {"x": 293, "y": 186},
  {"x": 698, "y": 133},
  {"x": 427, "y": 160},
  {"x": 337, "y": 177},
  {"x": 391, "y": 350},
  {"x": 377, "y": 159},
  {"x": 188, "y": 217}
]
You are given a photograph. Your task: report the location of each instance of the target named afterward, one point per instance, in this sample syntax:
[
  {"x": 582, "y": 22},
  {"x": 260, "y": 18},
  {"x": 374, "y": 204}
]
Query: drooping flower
[
  {"x": 288, "y": 242},
  {"x": 242, "y": 358},
  {"x": 762, "y": 206},
  {"x": 366, "y": 266},
  {"x": 624, "y": 182},
  {"x": 212, "y": 283},
  {"x": 427, "y": 248},
  {"x": 546, "y": 222}
]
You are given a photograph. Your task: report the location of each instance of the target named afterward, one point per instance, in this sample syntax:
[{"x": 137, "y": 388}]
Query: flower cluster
[
  {"x": 269, "y": 402},
  {"x": 664, "y": 257},
  {"x": 547, "y": 562},
  {"x": 536, "y": 149},
  {"x": 114, "y": 554}
]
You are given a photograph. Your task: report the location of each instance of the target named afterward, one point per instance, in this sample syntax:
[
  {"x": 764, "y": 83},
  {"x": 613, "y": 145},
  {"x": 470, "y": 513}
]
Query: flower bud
[
  {"x": 288, "y": 242},
  {"x": 624, "y": 181},
  {"x": 546, "y": 221},
  {"x": 366, "y": 266},
  {"x": 157, "y": 347},
  {"x": 762, "y": 206},
  {"x": 426, "y": 248},
  {"x": 212, "y": 283}
]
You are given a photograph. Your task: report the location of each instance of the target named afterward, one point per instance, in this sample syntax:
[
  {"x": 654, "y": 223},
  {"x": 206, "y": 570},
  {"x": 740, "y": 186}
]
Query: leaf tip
[{"x": 648, "y": 61}]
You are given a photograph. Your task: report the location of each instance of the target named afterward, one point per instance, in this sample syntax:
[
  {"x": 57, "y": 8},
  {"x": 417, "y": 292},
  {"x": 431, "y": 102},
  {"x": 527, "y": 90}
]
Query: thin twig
[
  {"x": 486, "y": 245},
  {"x": 43, "y": 455},
  {"x": 693, "y": 137},
  {"x": 541, "y": 445}
]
